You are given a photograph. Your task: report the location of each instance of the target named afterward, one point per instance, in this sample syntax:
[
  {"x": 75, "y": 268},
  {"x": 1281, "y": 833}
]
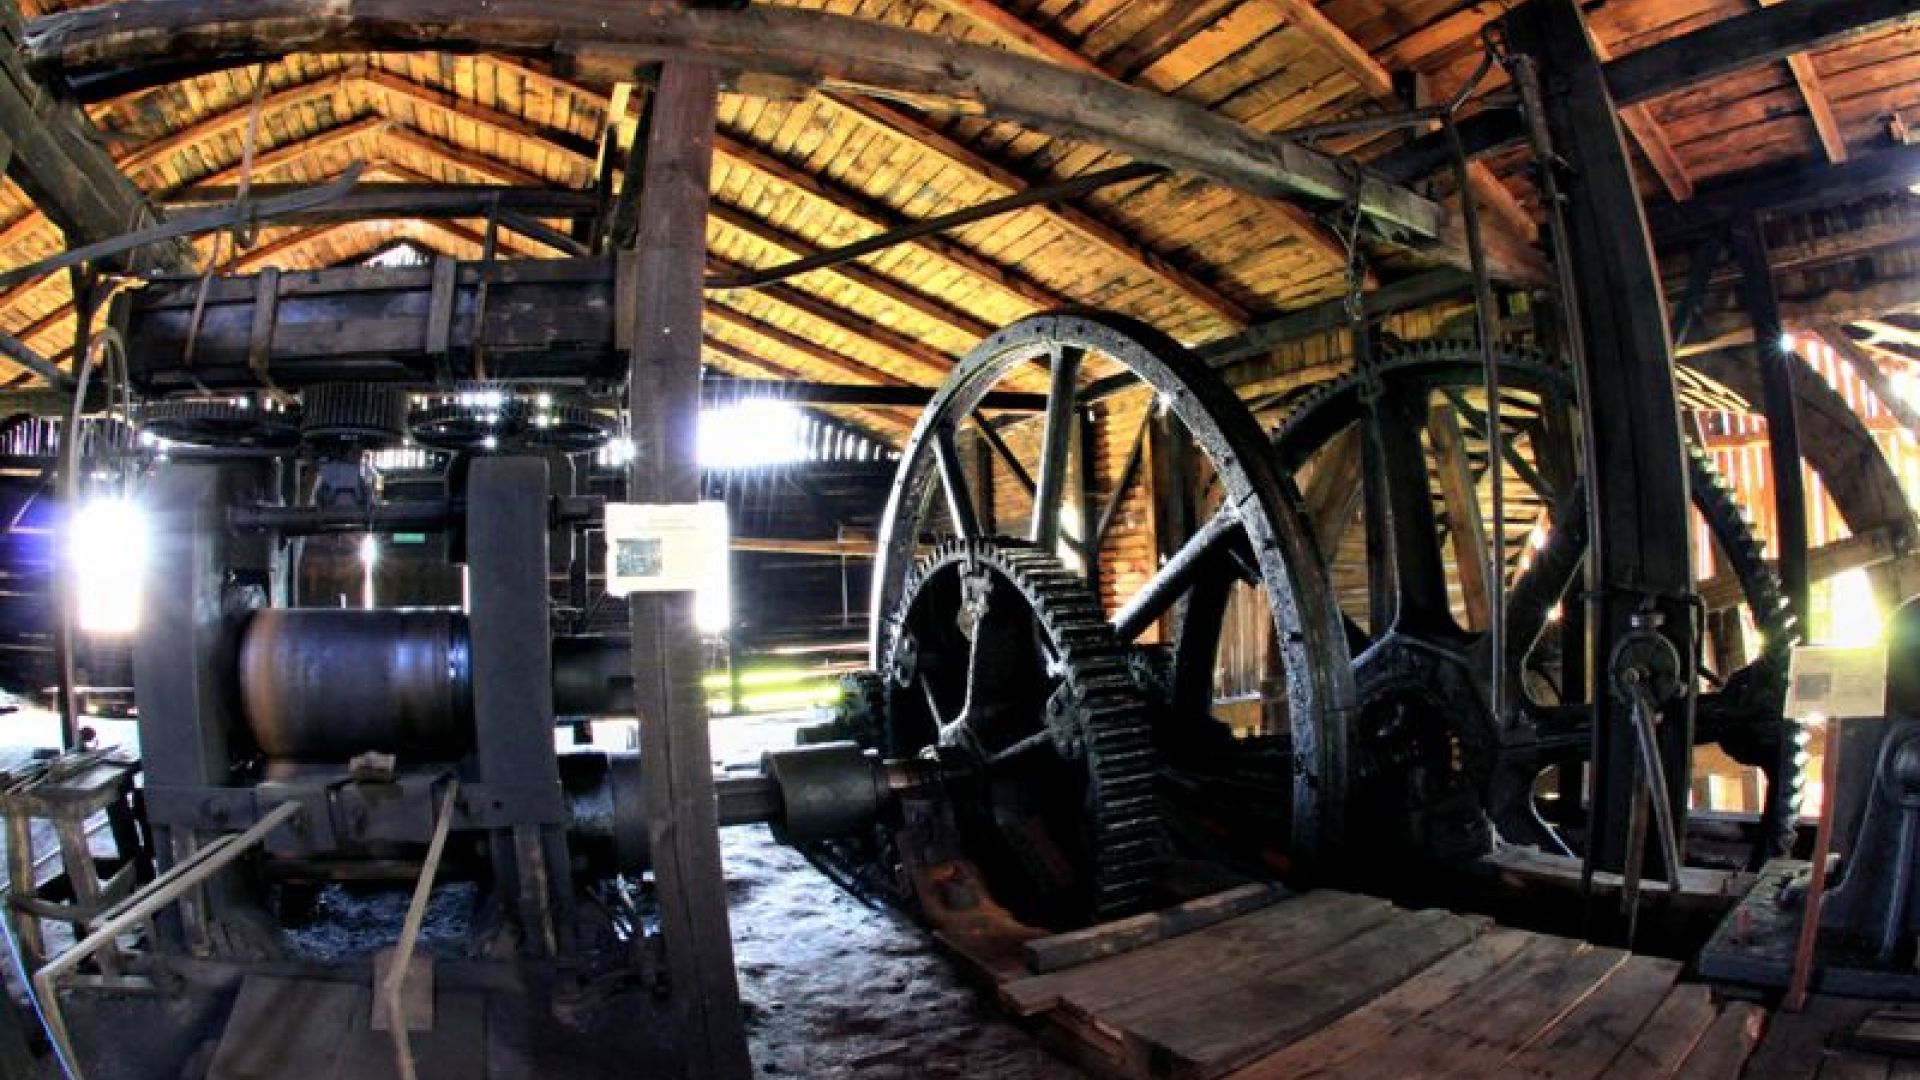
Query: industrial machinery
[{"x": 1858, "y": 917}]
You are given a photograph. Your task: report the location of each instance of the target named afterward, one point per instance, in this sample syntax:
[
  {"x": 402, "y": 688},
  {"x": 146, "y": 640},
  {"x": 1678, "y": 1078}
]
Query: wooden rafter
[
  {"x": 1010, "y": 29},
  {"x": 1377, "y": 83},
  {"x": 794, "y": 247},
  {"x": 1652, "y": 140},
  {"x": 1074, "y": 219},
  {"x": 1819, "y": 107}
]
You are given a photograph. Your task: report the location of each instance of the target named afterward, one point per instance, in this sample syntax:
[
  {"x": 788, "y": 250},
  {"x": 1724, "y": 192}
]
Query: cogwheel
[{"x": 1000, "y": 657}]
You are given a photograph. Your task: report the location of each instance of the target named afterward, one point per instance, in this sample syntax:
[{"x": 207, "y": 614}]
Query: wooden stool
[{"x": 66, "y": 792}]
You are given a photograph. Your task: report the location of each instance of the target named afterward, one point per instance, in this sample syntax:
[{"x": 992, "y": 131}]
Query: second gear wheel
[{"x": 999, "y": 661}]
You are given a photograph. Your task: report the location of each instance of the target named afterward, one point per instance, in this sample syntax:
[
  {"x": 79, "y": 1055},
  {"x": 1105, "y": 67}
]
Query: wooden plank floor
[{"x": 1331, "y": 984}]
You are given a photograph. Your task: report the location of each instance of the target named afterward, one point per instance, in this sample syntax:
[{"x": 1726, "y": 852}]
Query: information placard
[
  {"x": 1837, "y": 681},
  {"x": 665, "y": 547}
]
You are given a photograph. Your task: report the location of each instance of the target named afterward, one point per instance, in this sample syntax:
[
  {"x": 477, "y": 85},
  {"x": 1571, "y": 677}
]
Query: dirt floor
[{"x": 833, "y": 988}]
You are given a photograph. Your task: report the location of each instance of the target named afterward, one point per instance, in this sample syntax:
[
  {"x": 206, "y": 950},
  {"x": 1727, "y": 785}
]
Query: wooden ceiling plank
[
  {"x": 880, "y": 217},
  {"x": 1068, "y": 216},
  {"x": 794, "y": 247},
  {"x": 233, "y": 120},
  {"x": 936, "y": 363},
  {"x": 855, "y": 204},
  {"x": 298, "y": 150},
  {"x": 819, "y": 354}
]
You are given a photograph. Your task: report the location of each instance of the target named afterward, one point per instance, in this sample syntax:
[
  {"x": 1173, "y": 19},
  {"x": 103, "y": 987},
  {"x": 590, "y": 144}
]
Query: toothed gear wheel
[
  {"x": 366, "y": 415},
  {"x": 510, "y": 425},
  {"x": 223, "y": 424},
  {"x": 1000, "y": 658},
  {"x": 1745, "y": 716}
]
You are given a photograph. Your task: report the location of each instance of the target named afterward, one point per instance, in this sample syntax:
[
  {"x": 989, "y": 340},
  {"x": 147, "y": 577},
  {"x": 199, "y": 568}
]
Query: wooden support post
[
  {"x": 1776, "y": 363},
  {"x": 1642, "y": 567},
  {"x": 1461, "y": 495},
  {"x": 664, "y": 400}
]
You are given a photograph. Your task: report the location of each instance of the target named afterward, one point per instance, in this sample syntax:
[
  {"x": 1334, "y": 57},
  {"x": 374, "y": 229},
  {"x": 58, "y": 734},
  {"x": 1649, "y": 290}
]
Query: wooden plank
[
  {"x": 1475, "y": 1031},
  {"x": 283, "y": 1027},
  {"x": 664, "y": 400},
  {"x": 1061, "y": 951},
  {"x": 455, "y": 1048},
  {"x": 1226, "y": 1023},
  {"x": 1668, "y": 1037},
  {"x": 1586, "y": 1040},
  {"x": 1722, "y": 1052},
  {"x": 1819, "y": 108},
  {"x": 1796, "y": 1044},
  {"x": 1297, "y": 928},
  {"x": 1361, "y": 1031}
]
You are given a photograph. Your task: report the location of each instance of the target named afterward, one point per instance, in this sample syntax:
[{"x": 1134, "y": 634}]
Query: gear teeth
[
  {"x": 1320, "y": 413},
  {"x": 1121, "y": 760}
]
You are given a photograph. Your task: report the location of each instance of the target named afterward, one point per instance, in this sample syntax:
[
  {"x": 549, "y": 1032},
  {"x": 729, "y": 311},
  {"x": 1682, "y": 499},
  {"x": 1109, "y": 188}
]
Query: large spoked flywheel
[{"x": 1255, "y": 529}]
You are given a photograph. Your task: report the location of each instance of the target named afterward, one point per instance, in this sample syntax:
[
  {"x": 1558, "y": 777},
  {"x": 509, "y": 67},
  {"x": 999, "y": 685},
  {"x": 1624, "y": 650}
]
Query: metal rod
[
  {"x": 1484, "y": 329},
  {"x": 1175, "y": 575},
  {"x": 1034, "y": 196}
]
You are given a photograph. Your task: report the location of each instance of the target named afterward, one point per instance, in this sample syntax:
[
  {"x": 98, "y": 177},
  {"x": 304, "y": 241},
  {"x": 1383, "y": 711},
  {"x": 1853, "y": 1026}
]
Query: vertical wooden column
[
  {"x": 1641, "y": 561},
  {"x": 669, "y": 259}
]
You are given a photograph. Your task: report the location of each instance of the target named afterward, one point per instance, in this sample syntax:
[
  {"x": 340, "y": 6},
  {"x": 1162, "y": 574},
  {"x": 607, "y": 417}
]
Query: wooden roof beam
[
  {"x": 1006, "y": 27},
  {"x": 1819, "y": 106},
  {"x": 794, "y": 343},
  {"x": 1652, "y": 139},
  {"x": 234, "y": 120},
  {"x": 794, "y": 247},
  {"x": 843, "y": 200},
  {"x": 1377, "y": 83},
  {"x": 107, "y": 50},
  {"x": 1070, "y": 217},
  {"x": 52, "y": 153},
  {"x": 297, "y": 150},
  {"x": 930, "y": 360},
  {"x": 880, "y": 217}
]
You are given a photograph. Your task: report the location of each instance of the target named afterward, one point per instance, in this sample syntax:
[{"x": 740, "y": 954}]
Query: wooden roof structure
[{"x": 800, "y": 169}]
